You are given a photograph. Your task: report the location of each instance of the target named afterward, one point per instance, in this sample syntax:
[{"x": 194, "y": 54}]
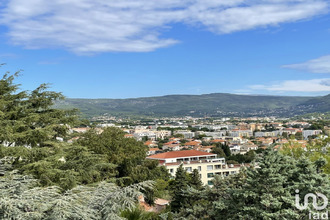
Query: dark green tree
[
  {"x": 225, "y": 150},
  {"x": 195, "y": 180},
  {"x": 265, "y": 192},
  {"x": 285, "y": 135},
  {"x": 219, "y": 151},
  {"x": 28, "y": 118},
  {"x": 299, "y": 136},
  {"x": 179, "y": 186}
]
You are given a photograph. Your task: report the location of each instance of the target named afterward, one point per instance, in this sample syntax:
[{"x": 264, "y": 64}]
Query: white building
[
  {"x": 207, "y": 164},
  {"x": 307, "y": 133},
  {"x": 186, "y": 134}
]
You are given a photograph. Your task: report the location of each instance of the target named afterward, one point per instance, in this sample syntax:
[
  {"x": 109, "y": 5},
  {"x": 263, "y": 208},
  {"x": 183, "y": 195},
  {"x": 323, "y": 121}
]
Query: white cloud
[
  {"x": 313, "y": 85},
  {"x": 319, "y": 65},
  {"x": 91, "y": 26}
]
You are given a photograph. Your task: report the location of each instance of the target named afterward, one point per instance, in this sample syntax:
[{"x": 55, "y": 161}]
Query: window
[
  {"x": 209, "y": 167},
  {"x": 210, "y": 175},
  {"x": 199, "y": 168},
  {"x": 188, "y": 169},
  {"x": 171, "y": 170},
  {"x": 210, "y": 183},
  {"x": 217, "y": 166},
  {"x": 232, "y": 172}
]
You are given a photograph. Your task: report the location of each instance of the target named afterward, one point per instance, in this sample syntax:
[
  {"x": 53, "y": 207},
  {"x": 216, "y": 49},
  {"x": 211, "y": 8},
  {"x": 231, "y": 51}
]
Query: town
[{"x": 213, "y": 146}]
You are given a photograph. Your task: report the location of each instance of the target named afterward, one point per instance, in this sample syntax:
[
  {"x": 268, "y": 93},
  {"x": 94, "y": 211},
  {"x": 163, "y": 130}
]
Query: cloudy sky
[{"x": 136, "y": 48}]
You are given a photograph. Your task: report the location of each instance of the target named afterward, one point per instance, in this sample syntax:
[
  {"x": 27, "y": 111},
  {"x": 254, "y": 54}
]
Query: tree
[
  {"x": 195, "y": 180},
  {"x": 299, "y": 136},
  {"x": 27, "y": 118},
  {"x": 314, "y": 151},
  {"x": 179, "y": 185},
  {"x": 127, "y": 154},
  {"x": 218, "y": 151},
  {"x": 69, "y": 166},
  {"x": 266, "y": 192},
  {"x": 285, "y": 135},
  {"x": 243, "y": 158},
  {"x": 21, "y": 198},
  {"x": 178, "y": 136},
  {"x": 225, "y": 149},
  {"x": 269, "y": 191},
  {"x": 222, "y": 150}
]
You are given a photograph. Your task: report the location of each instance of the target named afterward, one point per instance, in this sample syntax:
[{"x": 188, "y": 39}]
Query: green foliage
[
  {"x": 266, "y": 192},
  {"x": 299, "y": 136},
  {"x": 195, "y": 180},
  {"x": 316, "y": 150},
  {"x": 26, "y": 118},
  {"x": 243, "y": 158},
  {"x": 179, "y": 185},
  {"x": 161, "y": 189},
  {"x": 96, "y": 158},
  {"x": 285, "y": 135},
  {"x": 66, "y": 166},
  {"x": 127, "y": 153},
  {"x": 222, "y": 150},
  {"x": 138, "y": 214},
  {"x": 21, "y": 198}
]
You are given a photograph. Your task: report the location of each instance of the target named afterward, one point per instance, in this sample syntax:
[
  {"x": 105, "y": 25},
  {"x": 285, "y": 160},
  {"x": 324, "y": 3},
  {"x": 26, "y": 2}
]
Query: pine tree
[
  {"x": 21, "y": 198},
  {"x": 195, "y": 180},
  {"x": 267, "y": 191},
  {"x": 180, "y": 185},
  {"x": 219, "y": 151},
  {"x": 28, "y": 118}
]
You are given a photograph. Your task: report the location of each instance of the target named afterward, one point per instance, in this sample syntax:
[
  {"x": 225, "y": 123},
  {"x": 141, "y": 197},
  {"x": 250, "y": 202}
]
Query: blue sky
[{"x": 124, "y": 49}]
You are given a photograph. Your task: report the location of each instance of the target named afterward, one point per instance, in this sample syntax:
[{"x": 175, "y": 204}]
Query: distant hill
[
  {"x": 216, "y": 104},
  {"x": 320, "y": 104}
]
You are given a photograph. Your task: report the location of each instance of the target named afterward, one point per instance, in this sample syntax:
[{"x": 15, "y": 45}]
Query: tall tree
[
  {"x": 28, "y": 118},
  {"x": 195, "y": 180},
  {"x": 181, "y": 182}
]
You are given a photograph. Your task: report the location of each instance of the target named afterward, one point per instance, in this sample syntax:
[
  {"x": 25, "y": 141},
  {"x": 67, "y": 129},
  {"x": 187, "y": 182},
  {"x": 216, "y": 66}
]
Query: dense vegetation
[
  {"x": 217, "y": 104},
  {"x": 267, "y": 192}
]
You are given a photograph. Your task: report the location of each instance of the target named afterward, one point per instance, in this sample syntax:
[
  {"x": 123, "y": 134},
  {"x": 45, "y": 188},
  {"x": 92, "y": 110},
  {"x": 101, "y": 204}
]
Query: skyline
[{"x": 129, "y": 49}]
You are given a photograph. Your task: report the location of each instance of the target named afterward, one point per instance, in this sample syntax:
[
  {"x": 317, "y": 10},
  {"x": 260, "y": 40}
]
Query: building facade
[{"x": 207, "y": 164}]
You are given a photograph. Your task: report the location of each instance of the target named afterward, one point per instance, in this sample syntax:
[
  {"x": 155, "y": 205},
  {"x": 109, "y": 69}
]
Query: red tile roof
[
  {"x": 217, "y": 141},
  {"x": 192, "y": 143},
  {"x": 183, "y": 153},
  {"x": 148, "y": 143},
  {"x": 170, "y": 142}
]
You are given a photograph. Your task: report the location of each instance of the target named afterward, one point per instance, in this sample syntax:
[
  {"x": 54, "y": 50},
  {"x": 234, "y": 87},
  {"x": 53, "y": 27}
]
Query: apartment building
[
  {"x": 307, "y": 133},
  {"x": 241, "y": 133},
  {"x": 207, "y": 164},
  {"x": 186, "y": 134}
]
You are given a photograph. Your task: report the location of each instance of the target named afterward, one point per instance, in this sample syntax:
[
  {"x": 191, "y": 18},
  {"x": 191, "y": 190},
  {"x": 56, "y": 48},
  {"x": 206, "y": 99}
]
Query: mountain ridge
[{"x": 214, "y": 104}]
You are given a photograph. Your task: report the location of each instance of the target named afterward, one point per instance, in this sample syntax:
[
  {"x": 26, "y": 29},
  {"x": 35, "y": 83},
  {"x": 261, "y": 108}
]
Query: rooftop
[{"x": 183, "y": 153}]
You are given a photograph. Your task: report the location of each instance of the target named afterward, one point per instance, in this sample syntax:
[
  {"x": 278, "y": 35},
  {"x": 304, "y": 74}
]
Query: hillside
[
  {"x": 216, "y": 104},
  {"x": 321, "y": 104}
]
